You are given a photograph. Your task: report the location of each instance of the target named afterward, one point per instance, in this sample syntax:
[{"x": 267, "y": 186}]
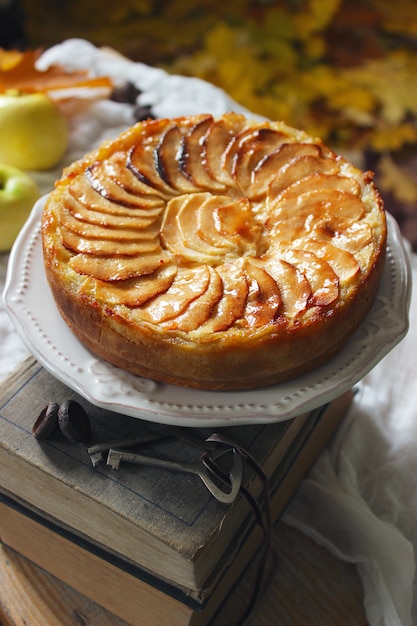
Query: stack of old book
[{"x": 150, "y": 545}]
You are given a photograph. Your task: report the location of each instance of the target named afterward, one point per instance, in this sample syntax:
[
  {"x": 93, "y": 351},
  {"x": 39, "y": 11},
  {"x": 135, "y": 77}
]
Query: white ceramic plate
[{"x": 31, "y": 306}]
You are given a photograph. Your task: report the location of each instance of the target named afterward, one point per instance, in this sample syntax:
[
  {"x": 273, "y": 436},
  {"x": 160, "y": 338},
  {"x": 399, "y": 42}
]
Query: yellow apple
[
  {"x": 33, "y": 131},
  {"x": 18, "y": 194}
]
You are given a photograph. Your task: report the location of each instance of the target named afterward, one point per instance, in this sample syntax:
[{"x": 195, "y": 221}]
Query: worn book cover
[{"x": 164, "y": 528}]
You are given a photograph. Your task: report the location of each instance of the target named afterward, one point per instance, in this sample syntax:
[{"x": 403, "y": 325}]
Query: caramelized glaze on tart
[{"x": 214, "y": 253}]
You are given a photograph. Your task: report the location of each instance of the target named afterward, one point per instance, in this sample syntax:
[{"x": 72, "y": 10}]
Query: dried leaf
[
  {"x": 395, "y": 180},
  {"x": 24, "y": 76},
  {"x": 315, "y": 16},
  {"x": 393, "y": 137},
  {"x": 392, "y": 83},
  {"x": 9, "y": 58}
]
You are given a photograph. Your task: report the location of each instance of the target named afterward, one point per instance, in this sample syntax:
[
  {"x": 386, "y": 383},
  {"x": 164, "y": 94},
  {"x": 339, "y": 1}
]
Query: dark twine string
[{"x": 263, "y": 517}]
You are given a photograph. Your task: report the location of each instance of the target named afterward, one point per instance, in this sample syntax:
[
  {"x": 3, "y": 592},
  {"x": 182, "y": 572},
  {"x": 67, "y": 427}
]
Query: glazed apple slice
[
  {"x": 354, "y": 237},
  {"x": 323, "y": 281},
  {"x": 234, "y": 147},
  {"x": 142, "y": 162},
  {"x": 294, "y": 288},
  {"x": 141, "y": 158},
  {"x": 247, "y": 149},
  {"x": 96, "y": 231},
  {"x": 264, "y": 298},
  {"x": 341, "y": 261},
  {"x": 309, "y": 173},
  {"x": 199, "y": 310},
  {"x": 107, "y": 247},
  {"x": 314, "y": 226},
  {"x": 287, "y": 230},
  {"x": 106, "y": 187},
  {"x": 208, "y": 221},
  {"x": 297, "y": 170},
  {"x": 116, "y": 168},
  {"x": 179, "y": 232},
  {"x": 231, "y": 306},
  {"x": 118, "y": 268},
  {"x": 322, "y": 212},
  {"x": 167, "y": 157},
  {"x": 192, "y": 156},
  {"x": 73, "y": 210},
  {"x": 134, "y": 292},
  {"x": 81, "y": 212},
  {"x": 319, "y": 205},
  {"x": 272, "y": 166},
  {"x": 187, "y": 223},
  {"x": 251, "y": 151},
  {"x": 189, "y": 284},
  {"x": 235, "y": 221},
  {"x": 171, "y": 238},
  {"x": 216, "y": 142},
  {"x": 83, "y": 192}
]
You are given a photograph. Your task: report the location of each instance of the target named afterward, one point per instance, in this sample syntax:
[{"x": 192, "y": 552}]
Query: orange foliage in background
[{"x": 344, "y": 70}]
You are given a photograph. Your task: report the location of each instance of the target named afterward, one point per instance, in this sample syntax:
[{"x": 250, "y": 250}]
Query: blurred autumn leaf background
[{"x": 345, "y": 70}]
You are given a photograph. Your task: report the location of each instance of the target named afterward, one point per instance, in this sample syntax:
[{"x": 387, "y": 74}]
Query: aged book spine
[
  {"x": 119, "y": 591},
  {"x": 89, "y": 569},
  {"x": 156, "y": 520}
]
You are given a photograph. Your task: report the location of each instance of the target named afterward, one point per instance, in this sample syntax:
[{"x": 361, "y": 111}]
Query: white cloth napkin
[
  {"x": 360, "y": 499},
  {"x": 12, "y": 348}
]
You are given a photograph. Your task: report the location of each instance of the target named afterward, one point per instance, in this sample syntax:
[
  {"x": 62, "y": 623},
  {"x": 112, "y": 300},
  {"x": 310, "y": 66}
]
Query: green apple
[
  {"x": 33, "y": 131},
  {"x": 18, "y": 194}
]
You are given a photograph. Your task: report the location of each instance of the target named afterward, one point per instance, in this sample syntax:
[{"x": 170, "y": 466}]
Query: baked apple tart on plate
[{"x": 214, "y": 253}]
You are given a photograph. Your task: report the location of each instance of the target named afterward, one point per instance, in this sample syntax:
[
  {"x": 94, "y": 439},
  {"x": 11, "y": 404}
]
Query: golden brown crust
[{"x": 214, "y": 253}]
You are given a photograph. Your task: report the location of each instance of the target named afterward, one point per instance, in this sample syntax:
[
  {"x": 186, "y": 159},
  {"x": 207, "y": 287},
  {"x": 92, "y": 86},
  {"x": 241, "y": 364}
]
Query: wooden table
[{"x": 309, "y": 587}]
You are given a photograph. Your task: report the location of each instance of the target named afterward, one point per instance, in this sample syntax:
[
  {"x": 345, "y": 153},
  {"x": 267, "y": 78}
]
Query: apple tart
[{"x": 214, "y": 252}]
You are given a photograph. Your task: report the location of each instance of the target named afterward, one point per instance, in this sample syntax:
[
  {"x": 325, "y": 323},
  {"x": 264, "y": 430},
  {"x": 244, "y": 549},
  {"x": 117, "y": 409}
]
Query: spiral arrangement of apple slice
[{"x": 211, "y": 223}]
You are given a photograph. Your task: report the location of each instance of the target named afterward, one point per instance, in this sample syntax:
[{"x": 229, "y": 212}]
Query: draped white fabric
[{"x": 360, "y": 499}]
